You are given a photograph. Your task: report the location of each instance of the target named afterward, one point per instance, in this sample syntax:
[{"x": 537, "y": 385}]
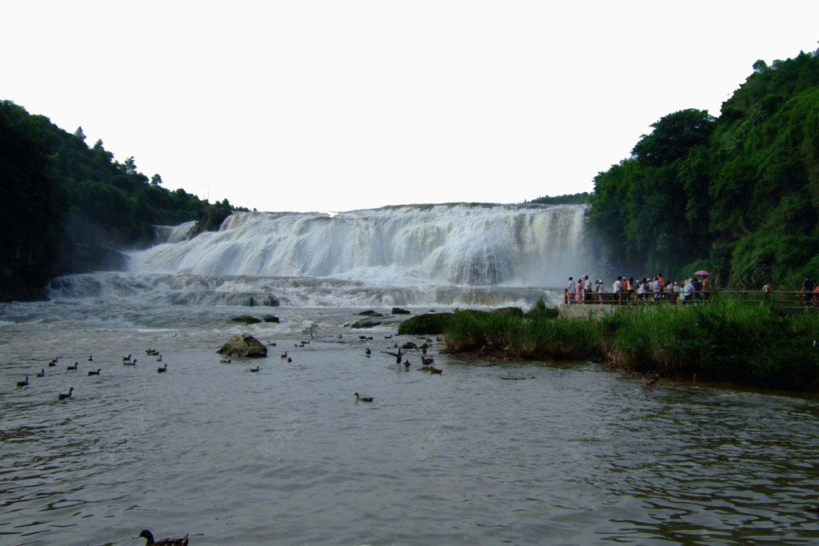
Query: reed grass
[{"x": 721, "y": 341}]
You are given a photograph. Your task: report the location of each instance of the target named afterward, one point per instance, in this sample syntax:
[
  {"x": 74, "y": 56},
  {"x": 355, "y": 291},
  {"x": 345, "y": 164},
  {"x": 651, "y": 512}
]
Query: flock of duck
[
  {"x": 54, "y": 362},
  {"x": 427, "y": 362},
  {"x": 427, "y": 365}
]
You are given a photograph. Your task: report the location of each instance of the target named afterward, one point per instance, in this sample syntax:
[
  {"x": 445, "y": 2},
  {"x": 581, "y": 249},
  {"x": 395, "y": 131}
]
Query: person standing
[
  {"x": 570, "y": 290},
  {"x": 807, "y": 290},
  {"x": 618, "y": 289},
  {"x": 706, "y": 287}
]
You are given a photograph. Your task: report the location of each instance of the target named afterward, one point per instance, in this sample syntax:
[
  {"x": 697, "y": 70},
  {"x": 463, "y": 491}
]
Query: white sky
[{"x": 340, "y": 105}]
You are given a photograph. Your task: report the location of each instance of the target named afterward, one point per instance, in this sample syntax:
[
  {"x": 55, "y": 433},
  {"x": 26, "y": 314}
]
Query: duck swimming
[
  {"x": 42, "y": 373},
  {"x": 163, "y": 369},
  {"x": 23, "y": 383},
  {"x": 359, "y": 398},
  {"x": 74, "y": 367},
  {"x": 175, "y": 541},
  {"x": 256, "y": 369},
  {"x": 65, "y": 396},
  {"x": 649, "y": 380},
  {"x": 92, "y": 372}
]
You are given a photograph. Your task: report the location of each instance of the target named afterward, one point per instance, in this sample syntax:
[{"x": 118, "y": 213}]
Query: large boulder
[{"x": 243, "y": 345}]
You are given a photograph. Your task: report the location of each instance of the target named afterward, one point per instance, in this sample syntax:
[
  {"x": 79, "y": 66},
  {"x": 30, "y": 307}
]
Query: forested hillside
[
  {"x": 70, "y": 208},
  {"x": 738, "y": 195}
]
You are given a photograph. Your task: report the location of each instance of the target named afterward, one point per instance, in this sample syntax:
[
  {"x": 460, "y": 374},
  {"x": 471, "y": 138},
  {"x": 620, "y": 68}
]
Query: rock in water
[{"x": 243, "y": 345}]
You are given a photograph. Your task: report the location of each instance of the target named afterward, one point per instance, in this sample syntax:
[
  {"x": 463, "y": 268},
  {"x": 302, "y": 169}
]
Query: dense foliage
[
  {"x": 70, "y": 208},
  {"x": 724, "y": 341},
  {"x": 738, "y": 195},
  {"x": 569, "y": 199}
]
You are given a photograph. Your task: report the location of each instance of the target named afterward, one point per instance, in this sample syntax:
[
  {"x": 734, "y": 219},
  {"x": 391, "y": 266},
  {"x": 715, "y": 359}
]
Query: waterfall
[{"x": 414, "y": 245}]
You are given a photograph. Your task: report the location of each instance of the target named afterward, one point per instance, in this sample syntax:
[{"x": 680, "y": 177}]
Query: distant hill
[{"x": 69, "y": 208}]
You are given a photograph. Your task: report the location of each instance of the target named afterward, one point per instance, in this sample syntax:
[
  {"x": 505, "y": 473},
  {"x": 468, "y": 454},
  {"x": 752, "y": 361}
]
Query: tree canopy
[
  {"x": 69, "y": 208},
  {"x": 738, "y": 194}
]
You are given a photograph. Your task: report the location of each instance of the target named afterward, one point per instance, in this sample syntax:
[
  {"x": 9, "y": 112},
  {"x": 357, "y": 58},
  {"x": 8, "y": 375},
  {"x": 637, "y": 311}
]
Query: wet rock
[
  {"x": 366, "y": 323},
  {"x": 270, "y": 318},
  {"x": 370, "y": 313},
  {"x": 245, "y": 319},
  {"x": 399, "y": 311},
  {"x": 243, "y": 345},
  {"x": 509, "y": 311}
]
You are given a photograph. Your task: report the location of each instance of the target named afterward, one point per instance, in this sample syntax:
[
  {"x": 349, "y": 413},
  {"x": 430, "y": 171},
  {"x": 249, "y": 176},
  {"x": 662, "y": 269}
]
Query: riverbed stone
[
  {"x": 366, "y": 323},
  {"x": 246, "y": 319},
  {"x": 243, "y": 345}
]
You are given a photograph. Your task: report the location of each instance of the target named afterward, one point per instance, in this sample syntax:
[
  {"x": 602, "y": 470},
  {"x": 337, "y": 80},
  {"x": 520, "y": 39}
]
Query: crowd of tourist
[{"x": 644, "y": 290}]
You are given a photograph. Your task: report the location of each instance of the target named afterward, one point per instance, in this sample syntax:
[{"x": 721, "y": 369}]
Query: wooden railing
[{"x": 783, "y": 298}]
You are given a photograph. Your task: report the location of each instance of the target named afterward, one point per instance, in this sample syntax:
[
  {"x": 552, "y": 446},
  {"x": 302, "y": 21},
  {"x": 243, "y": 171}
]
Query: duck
[
  {"x": 289, "y": 360},
  {"x": 52, "y": 363},
  {"x": 368, "y": 352},
  {"x": 41, "y": 373},
  {"x": 159, "y": 358},
  {"x": 398, "y": 356},
  {"x": 427, "y": 361},
  {"x": 163, "y": 369},
  {"x": 23, "y": 383},
  {"x": 224, "y": 361},
  {"x": 433, "y": 369},
  {"x": 256, "y": 369},
  {"x": 172, "y": 541},
  {"x": 65, "y": 396},
  {"x": 129, "y": 362},
  {"x": 649, "y": 380},
  {"x": 284, "y": 354},
  {"x": 406, "y": 364},
  {"x": 90, "y": 358},
  {"x": 124, "y": 358},
  {"x": 74, "y": 367},
  {"x": 92, "y": 372},
  {"x": 359, "y": 398}
]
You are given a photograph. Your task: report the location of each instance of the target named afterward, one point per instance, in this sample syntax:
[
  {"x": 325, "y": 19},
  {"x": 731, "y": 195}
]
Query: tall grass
[{"x": 722, "y": 341}]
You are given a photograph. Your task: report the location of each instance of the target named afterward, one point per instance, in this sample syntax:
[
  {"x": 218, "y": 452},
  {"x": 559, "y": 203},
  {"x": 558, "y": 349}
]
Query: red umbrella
[{"x": 702, "y": 272}]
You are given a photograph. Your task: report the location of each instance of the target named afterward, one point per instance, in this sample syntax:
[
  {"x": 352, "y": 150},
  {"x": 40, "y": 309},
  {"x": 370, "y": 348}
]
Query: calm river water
[{"x": 533, "y": 453}]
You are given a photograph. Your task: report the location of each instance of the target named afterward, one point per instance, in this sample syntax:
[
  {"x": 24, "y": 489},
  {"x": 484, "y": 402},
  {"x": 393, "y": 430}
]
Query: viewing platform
[{"x": 598, "y": 304}]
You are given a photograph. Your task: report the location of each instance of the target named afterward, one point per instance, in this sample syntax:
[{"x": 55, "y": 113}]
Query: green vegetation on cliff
[
  {"x": 69, "y": 208},
  {"x": 738, "y": 195}
]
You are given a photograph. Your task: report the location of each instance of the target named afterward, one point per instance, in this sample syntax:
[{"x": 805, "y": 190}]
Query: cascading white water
[
  {"x": 451, "y": 255},
  {"x": 472, "y": 245}
]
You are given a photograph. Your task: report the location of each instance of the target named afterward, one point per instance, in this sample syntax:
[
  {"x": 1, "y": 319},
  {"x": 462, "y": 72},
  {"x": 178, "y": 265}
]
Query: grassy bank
[{"x": 723, "y": 341}]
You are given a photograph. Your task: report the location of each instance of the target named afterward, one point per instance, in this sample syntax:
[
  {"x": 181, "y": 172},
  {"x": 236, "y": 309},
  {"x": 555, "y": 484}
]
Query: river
[{"x": 524, "y": 453}]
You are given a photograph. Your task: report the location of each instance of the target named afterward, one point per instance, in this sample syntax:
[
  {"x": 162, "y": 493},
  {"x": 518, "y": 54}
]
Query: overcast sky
[{"x": 340, "y": 105}]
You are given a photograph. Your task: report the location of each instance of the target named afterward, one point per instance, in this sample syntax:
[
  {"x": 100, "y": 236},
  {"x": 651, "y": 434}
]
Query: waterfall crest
[{"x": 458, "y": 244}]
